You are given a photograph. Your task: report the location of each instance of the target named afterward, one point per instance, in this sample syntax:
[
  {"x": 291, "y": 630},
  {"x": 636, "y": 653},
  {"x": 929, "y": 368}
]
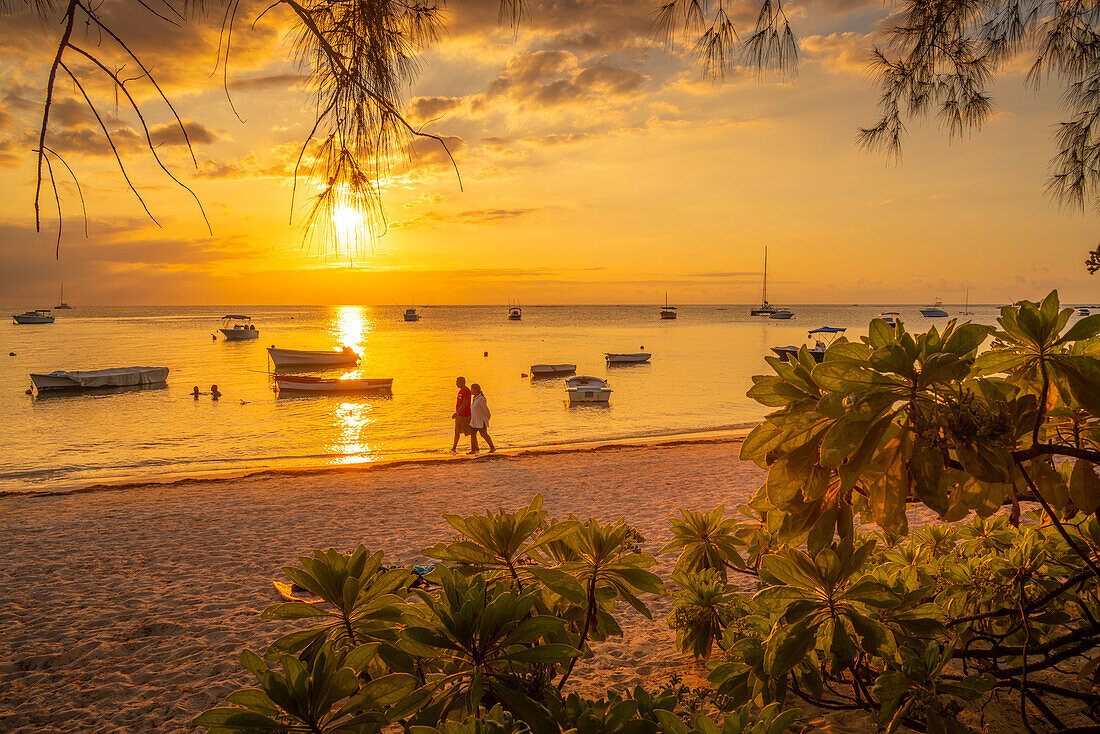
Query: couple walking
[{"x": 471, "y": 417}]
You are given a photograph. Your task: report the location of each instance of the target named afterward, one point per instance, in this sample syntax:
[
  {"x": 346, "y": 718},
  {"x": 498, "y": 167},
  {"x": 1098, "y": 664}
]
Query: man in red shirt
[{"x": 461, "y": 415}]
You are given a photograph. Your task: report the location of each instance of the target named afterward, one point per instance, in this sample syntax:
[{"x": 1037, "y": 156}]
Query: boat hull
[
  {"x": 318, "y": 386},
  {"x": 783, "y": 315},
  {"x": 101, "y": 379},
  {"x": 551, "y": 370},
  {"x": 640, "y": 358},
  {"x": 588, "y": 395},
  {"x": 240, "y": 335},
  {"x": 28, "y": 319},
  {"x": 297, "y": 358},
  {"x": 667, "y": 315},
  {"x": 933, "y": 313},
  {"x": 412, "y": 317},
  {"x": 761, "y": 311}
]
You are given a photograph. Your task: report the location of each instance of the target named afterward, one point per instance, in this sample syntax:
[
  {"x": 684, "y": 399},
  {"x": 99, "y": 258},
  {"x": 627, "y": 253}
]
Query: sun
[{"x": 346, "y": 220}]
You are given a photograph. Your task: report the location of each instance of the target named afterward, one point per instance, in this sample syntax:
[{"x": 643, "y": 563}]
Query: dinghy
[
  {"x": 317, "y": 385},
  {"x": 551, "y": 370},
  {"x": 584, "y": 389},
  {"x": 298, "y": 358},
  {"x": 636, "y": 358},
  {"x": 98, "y": 379}
]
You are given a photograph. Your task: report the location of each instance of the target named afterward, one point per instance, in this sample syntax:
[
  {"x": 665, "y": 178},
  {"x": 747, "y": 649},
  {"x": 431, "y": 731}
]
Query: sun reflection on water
[
  {"x": 352, "y": 421},
  {"x": 352, "y": 326}
]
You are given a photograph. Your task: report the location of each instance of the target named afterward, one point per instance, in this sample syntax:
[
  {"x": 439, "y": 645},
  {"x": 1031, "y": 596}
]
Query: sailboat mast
[{"x": 764, "y": 295}]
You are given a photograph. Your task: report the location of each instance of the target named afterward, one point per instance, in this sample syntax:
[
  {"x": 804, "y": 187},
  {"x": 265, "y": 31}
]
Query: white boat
[
  {"x": 782, "y": 313},
  {"x": 765, "y": 308},
  {"x": 411, "y": 314},
  {"x": 966, "y": 308},
  {"x": 890, "y": 317},
  {"x": 617, "y": 358},
  {"x": 667, "y": 311},
  {"x": 295, "y": 357},
  {"x": 96, "y": 379},
  {"x": 1083, "y": 311},
  {"x": 551, "y": 370},
  {"x": 515, "y": 313},
  {"x": 61, "y": 305},
  {"x": 823, "y": 338},
  {"x": 316, "y": 385},
  {"x": 37, "y": 316},
  {"x": 935, "y": 311},
  {"x": 584, "y": 389},
  {"x": 238, "y": 328}
]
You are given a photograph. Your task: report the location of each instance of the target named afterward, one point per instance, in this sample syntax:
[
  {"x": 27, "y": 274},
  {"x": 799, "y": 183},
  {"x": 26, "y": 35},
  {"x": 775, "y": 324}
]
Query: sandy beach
[{"x": 125, "y": 610}]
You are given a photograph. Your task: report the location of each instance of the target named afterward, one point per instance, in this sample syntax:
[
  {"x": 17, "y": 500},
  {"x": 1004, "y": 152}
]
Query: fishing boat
[
  {"x": 823, "y": 339},
  {"x": 890, "y": 317},
  {"x": 515, "y": 313},
  {"x": 299, "y": 358},
  {"x": 584, "y": 389},
  {"x": 783, "y": 313},
  {"x": 316, "y": 385},
  {"x": 238, "y": 328},
  {"x": 552, "y": 370},
  {"x": 935, "y": 311},
  {"x": 667, "y": 311},
  {"x": 37, "y": 316},
  {"x": 765, "y": 308},
  {"x": 99, "y": 379},
  {"x": 618, "y": 358},
  {"x": 411, "y": 314},
  {"x": 61, "y": 305}
]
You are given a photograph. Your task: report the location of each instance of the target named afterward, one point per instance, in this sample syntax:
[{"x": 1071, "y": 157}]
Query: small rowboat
[
  {"x": 584, "y": 389},
  {"x": 296, "y": 357},
  {"x": 638, "y": 358},
  {"x": 304, "y": 384},
  {"x": 550, "y": 370},
  {"x": 97, "y": 379}
]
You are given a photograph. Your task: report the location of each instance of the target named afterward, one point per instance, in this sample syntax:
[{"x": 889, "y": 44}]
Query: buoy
[{"x": 29, "y": 392}]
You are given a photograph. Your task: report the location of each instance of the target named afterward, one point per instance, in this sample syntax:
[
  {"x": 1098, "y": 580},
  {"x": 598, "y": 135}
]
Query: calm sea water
[{"x": 697, "y": 379}]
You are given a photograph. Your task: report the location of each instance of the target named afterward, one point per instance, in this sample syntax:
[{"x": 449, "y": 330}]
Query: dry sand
[{"x": 125, "y": 610}]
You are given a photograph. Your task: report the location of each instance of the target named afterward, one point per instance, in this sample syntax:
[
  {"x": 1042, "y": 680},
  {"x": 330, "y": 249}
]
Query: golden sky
[{"x": 598, "y": 166}]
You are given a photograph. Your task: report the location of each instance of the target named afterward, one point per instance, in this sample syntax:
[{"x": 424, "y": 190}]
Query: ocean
[{"x": 696, "y": 380}]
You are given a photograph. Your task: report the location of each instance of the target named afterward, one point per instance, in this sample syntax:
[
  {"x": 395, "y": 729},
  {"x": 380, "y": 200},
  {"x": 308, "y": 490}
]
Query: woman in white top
[{"x": 479, "y": 420}]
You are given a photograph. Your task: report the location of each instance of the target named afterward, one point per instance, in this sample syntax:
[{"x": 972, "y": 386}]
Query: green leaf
[
  {"x": 552, "y": 653},
  {"x": 560, "y": 582},
  {"x": 1084, "y": 486},
  {"x": 1086, "y": 328},
  {"x": 293, "y": 610}
]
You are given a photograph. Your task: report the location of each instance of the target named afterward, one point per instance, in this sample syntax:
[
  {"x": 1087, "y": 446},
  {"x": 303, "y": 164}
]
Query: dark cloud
[
  {"x": 424, "y": 109},
  {"x": 170, "y": 134},
  {"x": 551, "y": 78}
]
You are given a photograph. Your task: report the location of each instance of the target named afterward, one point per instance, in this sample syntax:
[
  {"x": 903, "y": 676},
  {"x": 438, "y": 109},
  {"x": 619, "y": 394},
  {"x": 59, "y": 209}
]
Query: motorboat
[
  {"x": 37, "y": 316},
  {"x": 935, "y": 311},
  {"x": 552, "y": 370},
  {"x": 299, "y": 358},
  {"x": 823, "y": 338},
  {"x": 890, "y": 317},
  {"x": 782, "y": 313},
  {"x": 1083, "y": 311},
  {"x": 61, "y": 305},
  {"x": 667, "y": 311},
  {"x": 411, "y": 314},
  {"x": 617, "y": 358},
  {"x": 515, "y": 313},
  {"x": 238, "y": 328},
  {"x": 98, "y": 379},
  {"x": 584, "y": 389},
  {"x": 316, "y": 385},
  {"x": 765, "y": 308}
]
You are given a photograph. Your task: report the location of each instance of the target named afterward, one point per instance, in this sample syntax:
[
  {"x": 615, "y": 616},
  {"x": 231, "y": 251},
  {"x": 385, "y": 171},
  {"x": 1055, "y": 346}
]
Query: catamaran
[{"x": 61, "y": 305}]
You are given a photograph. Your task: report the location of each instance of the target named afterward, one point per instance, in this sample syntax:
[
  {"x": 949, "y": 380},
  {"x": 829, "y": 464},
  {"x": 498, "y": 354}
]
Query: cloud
[
  {"x": 846, "y": 52},
  {"x": 429, "y": 108},
  {"x": 471, "y": 217},
  {"x": 170, "y": 134},
  {"x": 551, "y": 78}
]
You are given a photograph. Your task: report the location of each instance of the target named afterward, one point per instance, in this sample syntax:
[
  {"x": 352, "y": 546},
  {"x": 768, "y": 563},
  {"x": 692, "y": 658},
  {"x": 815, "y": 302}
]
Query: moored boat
[
  {"x": 300, "y": 358},
  {"x": 306, "y": 384},
  {"x": 98, "y": 379},
  {"x": 61, "y": 305},
  {"x": 890, "y": 317},
  {"x": 935, "y": 311},
  {"x": 411, "y": 314},
  {"x": 618, "y": 358},
  {"x": 782, "y": 313},
  {"x": 515, "y": 313},
  {"x": 667, "y": 311},
  {"x": 765, "y": 308},
  {"x": 823, "y": 339},
  {"x": 584, "y": 389},
  {"x": 238, "y": 328},
  {"x": 37, "y": 316},
  {"x": 551, "y": 370}
]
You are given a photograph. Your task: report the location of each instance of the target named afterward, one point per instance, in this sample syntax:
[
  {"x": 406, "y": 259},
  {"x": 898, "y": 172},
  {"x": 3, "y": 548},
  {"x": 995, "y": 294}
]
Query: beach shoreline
[{"x": 720, "y": 434}]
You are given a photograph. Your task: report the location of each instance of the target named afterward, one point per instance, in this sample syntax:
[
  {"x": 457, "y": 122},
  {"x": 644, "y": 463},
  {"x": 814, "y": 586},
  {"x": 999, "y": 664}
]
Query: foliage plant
[{"x": 913, "y": 627}]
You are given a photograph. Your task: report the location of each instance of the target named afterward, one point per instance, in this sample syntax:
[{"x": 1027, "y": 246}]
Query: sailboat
[
  {"x": 667, "y": 311},
  {"x": 61, "y": 305},
  {"x": 966, "y": 308},
  {"x": 765, "y": 309}
]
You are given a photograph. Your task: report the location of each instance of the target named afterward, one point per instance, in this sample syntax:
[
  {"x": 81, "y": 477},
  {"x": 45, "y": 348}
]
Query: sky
[{"x": 598, "y": 165}]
